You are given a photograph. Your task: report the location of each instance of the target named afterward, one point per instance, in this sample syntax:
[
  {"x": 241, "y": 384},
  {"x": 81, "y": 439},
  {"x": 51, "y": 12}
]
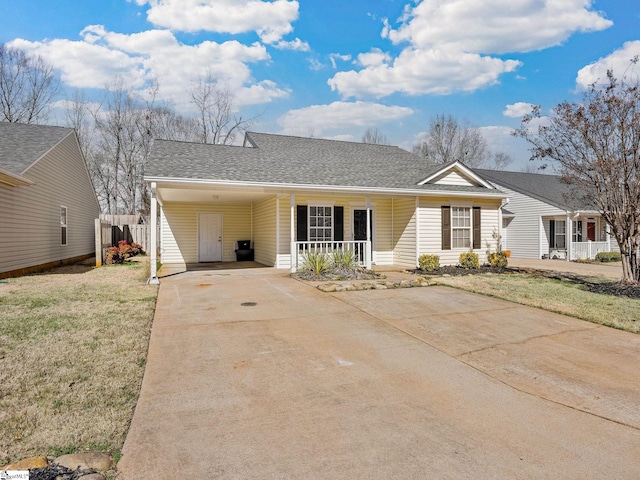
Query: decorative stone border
[{"x": 331, "y": 287}]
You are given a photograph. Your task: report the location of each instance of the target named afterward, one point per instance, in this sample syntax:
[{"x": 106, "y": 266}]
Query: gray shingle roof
[
  {"x": 282, "y": 159},
  {"x": 547, "y": 188},
  {"x": 21, "y": 145}
]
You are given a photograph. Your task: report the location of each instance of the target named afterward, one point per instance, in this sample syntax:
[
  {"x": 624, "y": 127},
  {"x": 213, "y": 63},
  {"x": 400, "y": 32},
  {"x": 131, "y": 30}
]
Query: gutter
[{"x": 323, "y": 188}]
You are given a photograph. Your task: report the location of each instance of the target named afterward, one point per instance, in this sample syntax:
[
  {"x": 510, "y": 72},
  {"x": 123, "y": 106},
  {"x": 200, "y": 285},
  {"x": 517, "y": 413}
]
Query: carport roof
[{"x": 287, "y": 160}]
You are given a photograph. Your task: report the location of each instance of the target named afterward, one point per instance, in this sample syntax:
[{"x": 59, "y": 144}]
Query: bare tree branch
[
  {"x": 27, "y": 86},
  {"x": 596, "y": 144}
]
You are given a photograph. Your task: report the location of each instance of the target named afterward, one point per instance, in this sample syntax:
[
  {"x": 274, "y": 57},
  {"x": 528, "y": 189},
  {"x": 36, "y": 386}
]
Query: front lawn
[
  {"x": 73, "y": 346},
  {"x": 561, "y": 296}
]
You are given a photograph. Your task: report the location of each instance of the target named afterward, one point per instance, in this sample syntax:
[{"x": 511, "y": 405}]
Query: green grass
[
  {"x": 72, "y": 347},
  {"x": 556, "y": 296}
]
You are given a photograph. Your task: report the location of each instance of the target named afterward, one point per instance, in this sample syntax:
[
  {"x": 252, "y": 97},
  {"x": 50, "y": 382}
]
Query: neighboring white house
[
  {"x": 48, "y": 203},
  {"x": 545, "y": 218},
  {"x": 291, "y": 195}
]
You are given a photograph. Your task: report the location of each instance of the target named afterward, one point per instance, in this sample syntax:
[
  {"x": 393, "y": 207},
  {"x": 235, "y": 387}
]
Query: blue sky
[{"x": 333, "y": 68}]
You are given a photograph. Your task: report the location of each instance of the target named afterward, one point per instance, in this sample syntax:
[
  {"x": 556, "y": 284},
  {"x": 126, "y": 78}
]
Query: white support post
[
  {"x": 292, "y": 243},
  {"x": 608, "y": 235},
  {"x": 153, "y": 254},
  {"x": 569, "y": 237},
  {"x": 417, "y": 244},
  {"x": 367, "y": 250},
  {"x": 98, "y": 242},
  {"x": 277, "y": 231}
]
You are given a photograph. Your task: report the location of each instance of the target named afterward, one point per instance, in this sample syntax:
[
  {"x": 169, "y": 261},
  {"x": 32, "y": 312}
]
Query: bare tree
[
  {"x": 27, "y": 86},
  {"x": 217, "y": 120},
  {"x": 596, "y": 144},
  {"x": 499, "y": 161},
  {"x": 375, "y": 136},
  {"x": 449, "y": 140}
]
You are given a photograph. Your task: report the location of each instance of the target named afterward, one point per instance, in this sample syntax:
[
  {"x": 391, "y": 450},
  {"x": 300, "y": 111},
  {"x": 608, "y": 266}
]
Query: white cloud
[
  {"x": 619, "y": 62},
  {"x": 270, "y": 20},
  {"x": 374, "y": 58},
  {"x": 451, "y": 46},
  {"x": 496, "y": 27},
  {"x": 101, "y": 57},
  {"x": 417, "y": 72},
  {"x": 517, "y": 110},
  {"x": 339, "y": 116},
  {"x": 337, "y": 56},
  {"x": 296, "y": 44}
]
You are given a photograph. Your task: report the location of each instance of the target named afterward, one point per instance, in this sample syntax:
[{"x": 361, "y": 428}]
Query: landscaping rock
[
  {"x": 88, "y": 460},
  {"x": 27, "y": 464},
  {"x": 93, "y": 476}
]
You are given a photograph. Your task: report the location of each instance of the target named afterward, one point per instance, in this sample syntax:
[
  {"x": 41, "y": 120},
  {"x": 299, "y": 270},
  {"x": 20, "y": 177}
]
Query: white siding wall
[
  {"x": 180, "y": 230},
  {"x": 30, "y": 215},
  {"x": 525, "y": 233},
  {"x": 283, "y": 252},
  {"x": 264, "y": 231},
  {"x": 431, "y": 228},
  {"x": 452, "y": 178}
]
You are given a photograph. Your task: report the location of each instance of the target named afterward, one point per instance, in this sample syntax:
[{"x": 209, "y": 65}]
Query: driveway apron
[{"x": 251, "y": 374}]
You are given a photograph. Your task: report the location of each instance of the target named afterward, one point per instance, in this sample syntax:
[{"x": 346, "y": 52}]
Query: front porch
[{"x": 575, "y": 237}]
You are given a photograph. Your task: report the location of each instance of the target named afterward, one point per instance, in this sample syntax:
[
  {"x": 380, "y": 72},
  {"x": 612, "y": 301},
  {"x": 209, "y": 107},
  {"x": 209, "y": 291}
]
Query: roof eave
[
  {"x": 13, "y": 180},
  {"x": 324, "y": 188}
]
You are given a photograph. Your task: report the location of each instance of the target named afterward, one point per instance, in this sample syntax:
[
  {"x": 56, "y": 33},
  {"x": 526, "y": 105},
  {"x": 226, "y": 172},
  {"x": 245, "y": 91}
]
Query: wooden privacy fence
[{"x": 108, "y": 235}]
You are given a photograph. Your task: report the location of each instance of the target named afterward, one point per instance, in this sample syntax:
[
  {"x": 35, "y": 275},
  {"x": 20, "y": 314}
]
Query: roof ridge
[{"x": 353, "y": 142}]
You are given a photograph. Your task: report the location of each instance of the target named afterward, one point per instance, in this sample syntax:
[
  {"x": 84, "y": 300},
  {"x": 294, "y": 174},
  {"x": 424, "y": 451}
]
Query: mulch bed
[
  {"x": 603, "y": 287},
  {"x": 454, "y": 271},
  {"x": 57, "y": 472}
]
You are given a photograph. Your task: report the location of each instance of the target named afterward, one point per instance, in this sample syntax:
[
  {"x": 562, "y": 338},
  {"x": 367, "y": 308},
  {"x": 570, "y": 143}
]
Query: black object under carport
[{"x": 244, "y": 252}]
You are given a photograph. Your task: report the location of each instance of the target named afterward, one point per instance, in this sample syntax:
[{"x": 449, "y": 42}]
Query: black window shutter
[
  {"x": 477, "y": 229},
  {"x": 552, "y": 233},
  {"x": 338, "y": 224},
  {"x": 301, "y": 226},
  {"x": 446, "y": 228}
]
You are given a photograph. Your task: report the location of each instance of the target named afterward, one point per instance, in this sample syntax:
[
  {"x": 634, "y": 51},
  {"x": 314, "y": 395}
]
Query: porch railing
[
  {"x": 361, "y": 250},
  {"x": 587, "y": 250}
]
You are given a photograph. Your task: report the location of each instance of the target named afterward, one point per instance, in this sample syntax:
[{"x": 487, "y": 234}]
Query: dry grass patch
[
  {"x": 555, "y": 296},
  {"x": 73, "y": 346}
]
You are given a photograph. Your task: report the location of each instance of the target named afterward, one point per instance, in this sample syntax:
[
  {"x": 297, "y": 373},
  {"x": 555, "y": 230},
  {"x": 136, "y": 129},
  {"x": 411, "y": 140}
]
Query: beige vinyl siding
[
  {"x": 526, "y": 236},
  {"x": 264, "y": 231},
  {"x": 30, "y": 215},
  {"x": 430, "y": 227},
  {"x": 383, "y": 235},
  {"x": 284, "y": 247},
  {"x": 179, "y": 230},
  {"x": 404, "y": 232}
]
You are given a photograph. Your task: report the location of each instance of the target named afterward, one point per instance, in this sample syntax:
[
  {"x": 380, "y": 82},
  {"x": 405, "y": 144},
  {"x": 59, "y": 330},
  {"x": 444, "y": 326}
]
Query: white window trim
[
  {"x": 309, "y": 227},
  {"x": 64, "y": 225},
  {"x": 469, "y": 207}
]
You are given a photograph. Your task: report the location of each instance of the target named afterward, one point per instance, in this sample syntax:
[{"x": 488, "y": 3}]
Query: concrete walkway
[{"x": 251, "y": 374}]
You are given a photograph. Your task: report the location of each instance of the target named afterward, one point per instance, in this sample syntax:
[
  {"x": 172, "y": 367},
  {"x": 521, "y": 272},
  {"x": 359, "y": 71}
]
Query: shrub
[
  {"x": 429, "y": 262},
  {"x": 343, "y": 259},
  {"x": 498, "y": 259},
  {"x": 608, "y": 257},
  {"x": 124, "y": 250},
  {"x": 469, "y": 260},
  {"x": 317, "y": 263}
]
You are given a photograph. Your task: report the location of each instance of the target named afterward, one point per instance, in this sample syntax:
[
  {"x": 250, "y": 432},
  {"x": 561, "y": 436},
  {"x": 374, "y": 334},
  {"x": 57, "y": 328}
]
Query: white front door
[{"x": 210, "y": 237}]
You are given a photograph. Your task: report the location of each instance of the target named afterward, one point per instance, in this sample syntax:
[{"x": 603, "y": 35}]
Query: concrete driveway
[{"x": 252, "y": 374}]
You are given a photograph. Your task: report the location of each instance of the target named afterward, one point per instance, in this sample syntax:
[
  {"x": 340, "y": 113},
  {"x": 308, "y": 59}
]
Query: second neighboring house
[
  {"x": 546, "y": 219},
  {"x": 291, "y": 195},
  {"x": 48, "y": 203}
]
